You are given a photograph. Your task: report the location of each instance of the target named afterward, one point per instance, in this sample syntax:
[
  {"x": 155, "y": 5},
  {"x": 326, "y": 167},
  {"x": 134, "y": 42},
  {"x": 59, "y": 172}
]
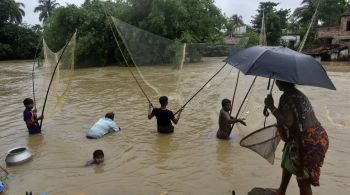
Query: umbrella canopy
[{"x": 281, "y": 63}]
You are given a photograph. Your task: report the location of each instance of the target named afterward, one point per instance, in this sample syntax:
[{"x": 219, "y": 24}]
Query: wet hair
[
  {"x": 28, "y": 101},
  {"x": 225, "y": 101},
  {"x": 163, "y": 100},
  {"x": 98, "y": 153},
  {"x": 110, "y": 115},
  {"x": 285, "y": 84}
]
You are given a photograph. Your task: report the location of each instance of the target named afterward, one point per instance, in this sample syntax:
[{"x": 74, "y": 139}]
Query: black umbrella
[
  {"x": 281, "y": 63},
  {"x": 278, "y": 63}
]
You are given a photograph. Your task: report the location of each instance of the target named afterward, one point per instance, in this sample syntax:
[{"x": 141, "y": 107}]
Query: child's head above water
[
  {"x": 98, "y": 156},
  {"x": 28, "y": 103},
  {"x": 163, "y": 100}
]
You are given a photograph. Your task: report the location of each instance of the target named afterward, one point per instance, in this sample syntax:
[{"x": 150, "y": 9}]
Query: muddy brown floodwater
[{"x": 137, "y": 159}]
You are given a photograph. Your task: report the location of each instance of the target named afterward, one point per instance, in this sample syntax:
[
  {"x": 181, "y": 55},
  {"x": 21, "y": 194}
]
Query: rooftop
[{"x": 347, "y": 13}]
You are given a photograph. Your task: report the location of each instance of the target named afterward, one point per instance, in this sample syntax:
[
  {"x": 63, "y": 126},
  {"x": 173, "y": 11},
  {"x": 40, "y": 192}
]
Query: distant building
[
  {"x": 235, "y": 37},
  {"x": 240, "y": 30},
  {"x": 290, "y": 40},
  {"x": 337, "y": 38},
  {"x": 337, "y": 34}
]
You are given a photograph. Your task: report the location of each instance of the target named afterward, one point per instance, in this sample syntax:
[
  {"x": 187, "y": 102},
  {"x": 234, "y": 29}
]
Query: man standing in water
[
  {"x": 226, "y": 121},
  {"x": 164, "y": 116}
]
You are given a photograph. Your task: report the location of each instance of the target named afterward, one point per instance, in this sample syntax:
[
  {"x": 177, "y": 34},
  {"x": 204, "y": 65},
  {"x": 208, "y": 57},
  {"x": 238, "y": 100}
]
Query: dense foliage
[
  {"x": 190, "y": 21},
  {"x": 186, "y": 21},
  {"x": 17, "y": 41},
  {"x": 275, "y": 21},
  {"x": 45, "y": 8},
  {"x": 328, "y": 14}
]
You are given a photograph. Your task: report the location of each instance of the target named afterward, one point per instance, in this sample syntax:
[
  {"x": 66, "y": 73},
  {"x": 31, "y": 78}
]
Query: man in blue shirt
[{"x": 103, "y": 126}]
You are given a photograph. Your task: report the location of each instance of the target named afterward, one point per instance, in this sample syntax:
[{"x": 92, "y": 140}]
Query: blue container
[{"x": 2, "y": 186}]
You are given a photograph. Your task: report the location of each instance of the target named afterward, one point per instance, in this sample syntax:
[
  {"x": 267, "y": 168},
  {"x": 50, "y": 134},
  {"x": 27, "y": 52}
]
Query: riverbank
[
  {"x": 331, "y": 66},
  {"x": 336, "y": 66}
]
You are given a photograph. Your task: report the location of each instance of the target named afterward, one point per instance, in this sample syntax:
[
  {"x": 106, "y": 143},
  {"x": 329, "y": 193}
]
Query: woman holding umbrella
[{"x": 306, "y": 142}]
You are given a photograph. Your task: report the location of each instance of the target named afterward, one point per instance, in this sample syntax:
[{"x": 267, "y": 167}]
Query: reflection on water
[
  {"x": 137, "y": 159},
  {"x": 224, "y": 156},
  {"x": 164, "y": 145},
  {"x": 34, "y": 142},
  {"x": 99, "y": 169}
]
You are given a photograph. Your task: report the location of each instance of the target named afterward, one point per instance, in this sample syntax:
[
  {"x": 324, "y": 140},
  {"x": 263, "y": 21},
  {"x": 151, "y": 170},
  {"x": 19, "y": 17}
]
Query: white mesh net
[
  {"x": 62, "y": 80},
  {"x": 263, "y": 141},
  {"x": 168, "y": 67}
]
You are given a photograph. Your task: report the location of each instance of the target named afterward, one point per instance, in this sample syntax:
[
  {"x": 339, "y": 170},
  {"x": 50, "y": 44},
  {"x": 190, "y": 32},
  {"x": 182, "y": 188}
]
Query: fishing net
[
  {"x": 263, "y": 141},
  {"x": 171, "y": 68},
  {"x": 3, "y": 175},
  {"x": 62, "y": 80}
]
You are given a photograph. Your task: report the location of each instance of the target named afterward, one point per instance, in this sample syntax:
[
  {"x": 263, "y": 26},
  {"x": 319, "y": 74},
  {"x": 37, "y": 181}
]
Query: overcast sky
[{"x": 244, "y": 8}]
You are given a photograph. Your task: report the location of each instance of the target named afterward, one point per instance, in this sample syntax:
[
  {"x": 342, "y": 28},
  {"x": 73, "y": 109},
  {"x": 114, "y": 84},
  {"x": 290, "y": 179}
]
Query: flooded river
[{"x": 138, "y": 161}]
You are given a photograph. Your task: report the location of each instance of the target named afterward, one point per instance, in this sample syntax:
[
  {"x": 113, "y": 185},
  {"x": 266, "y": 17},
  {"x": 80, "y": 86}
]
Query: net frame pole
[
  {"x": 188, "y": 101},
  {"x": 245, "y": 97},
  {"x": 33, "y": 74},
  {"x": 265, "y": 111},
  {"x": 234, "y": 92},
  {"x": 53, "y": 74},
  {"x": 127, "y": 64}
]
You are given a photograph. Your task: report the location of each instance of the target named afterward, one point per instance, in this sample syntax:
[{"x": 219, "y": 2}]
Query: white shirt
[{"x": 102, "y": 127}]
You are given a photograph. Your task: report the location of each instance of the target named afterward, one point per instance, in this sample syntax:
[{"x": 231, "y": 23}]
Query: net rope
[
  {"x": 168, "y": 67},
  {"x": 62, "y": 79}
]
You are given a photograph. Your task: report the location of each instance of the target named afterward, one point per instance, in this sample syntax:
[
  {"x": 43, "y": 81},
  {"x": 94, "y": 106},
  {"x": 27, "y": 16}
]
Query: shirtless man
[{"x": 226, "y": 121}]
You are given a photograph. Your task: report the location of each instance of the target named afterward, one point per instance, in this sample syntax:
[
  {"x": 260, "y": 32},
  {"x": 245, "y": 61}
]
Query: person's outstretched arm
[
  {"x": 114, "y": 127},
  {"x": 150, "y": 114},
  {"x": 233, "y": 120},
  {"x": 176, "y": 120}
]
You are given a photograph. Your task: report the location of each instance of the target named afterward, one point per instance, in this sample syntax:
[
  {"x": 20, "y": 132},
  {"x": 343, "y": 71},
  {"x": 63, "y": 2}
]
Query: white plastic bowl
[{"x": 18, "y": 155}]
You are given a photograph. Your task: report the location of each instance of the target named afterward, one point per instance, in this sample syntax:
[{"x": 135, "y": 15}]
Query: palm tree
[
  {"x": 233, "y": 22},
  {"x": 329, "y": 11},
  {"x": 304, "y": 13},
  {"x": 45, "y": 8},
  {"x": 11, "y": 11}
]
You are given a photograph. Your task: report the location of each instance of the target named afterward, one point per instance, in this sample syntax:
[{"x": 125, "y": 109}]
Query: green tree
[
  {"x": 253, "y": 37},
  {"x": 329, "y": 11},
  {"x": 45, "y": 8},
  {"x": 18, "y": 41},
  {"x": 188, "y": 21},
  {"x": 11, "y": 11},
  {"x": 233, "y": 22},
  {"x": 328, "y": 14},
  {"x": 95, "y": 41},
  {"x": 275, "y": 21}
]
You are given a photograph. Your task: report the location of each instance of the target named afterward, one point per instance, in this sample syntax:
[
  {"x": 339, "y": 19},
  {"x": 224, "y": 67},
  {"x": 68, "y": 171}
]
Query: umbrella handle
[{"x": 266, "y": 112}]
